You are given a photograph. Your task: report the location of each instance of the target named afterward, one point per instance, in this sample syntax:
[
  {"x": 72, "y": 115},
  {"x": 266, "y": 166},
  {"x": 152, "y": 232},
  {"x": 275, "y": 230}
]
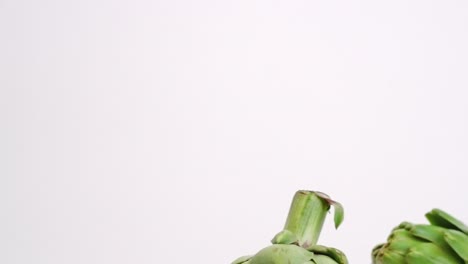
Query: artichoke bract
[
  {"x": 443, "y": 241},
  {"x": 297, "y": 242}
]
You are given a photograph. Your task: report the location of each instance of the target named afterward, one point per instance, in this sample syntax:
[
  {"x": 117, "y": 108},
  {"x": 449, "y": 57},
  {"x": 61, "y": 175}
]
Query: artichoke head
[
  {"x": 297, "y": 242},
  {"x": 444, "y": 241}
]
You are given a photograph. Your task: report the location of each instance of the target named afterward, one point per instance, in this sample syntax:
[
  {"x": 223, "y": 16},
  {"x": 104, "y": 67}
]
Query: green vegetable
[
  {"x": 443, "y": 241},
  {"x": 297, "y": 242}
]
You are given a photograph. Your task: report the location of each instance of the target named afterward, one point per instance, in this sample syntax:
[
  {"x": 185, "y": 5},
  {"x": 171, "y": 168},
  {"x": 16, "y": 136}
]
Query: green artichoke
[
  {"x": 297, "y": 242},
  {"x": 443, "y": 241}
]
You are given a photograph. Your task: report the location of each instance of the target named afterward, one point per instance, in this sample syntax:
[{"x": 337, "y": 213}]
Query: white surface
[{"x": 178, "y": 131}]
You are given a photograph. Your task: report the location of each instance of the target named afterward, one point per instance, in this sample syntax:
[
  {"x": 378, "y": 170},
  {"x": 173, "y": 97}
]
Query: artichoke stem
[{"x": 306, "y": 217}]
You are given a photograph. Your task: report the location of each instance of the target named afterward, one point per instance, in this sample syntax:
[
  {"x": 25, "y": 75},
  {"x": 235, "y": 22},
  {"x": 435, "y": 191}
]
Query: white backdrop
[{"x": 178, "y": 131}]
